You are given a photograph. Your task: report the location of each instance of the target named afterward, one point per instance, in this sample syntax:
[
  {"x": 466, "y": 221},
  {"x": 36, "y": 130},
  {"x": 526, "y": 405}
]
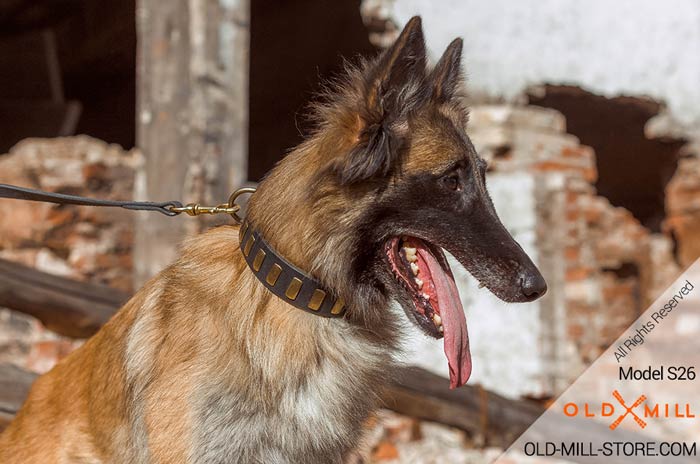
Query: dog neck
[
  {"x": 286, "y": 281},
  {"x": 308, "y": 221}
]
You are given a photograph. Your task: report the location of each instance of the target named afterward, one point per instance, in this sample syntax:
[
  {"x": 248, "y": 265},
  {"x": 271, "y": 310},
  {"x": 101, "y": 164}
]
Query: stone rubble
[
  {"x": 683, "y": 207},
  {"x": 604, "y": 267},
  {"x": 87, "y": 244}
]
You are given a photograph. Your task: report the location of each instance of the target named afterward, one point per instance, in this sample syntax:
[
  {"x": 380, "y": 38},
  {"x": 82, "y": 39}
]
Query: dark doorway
[
  {"x": 294, "y": 46},
  {"x": 632, "y": 170},
  {"x": 69, "y": 67}
]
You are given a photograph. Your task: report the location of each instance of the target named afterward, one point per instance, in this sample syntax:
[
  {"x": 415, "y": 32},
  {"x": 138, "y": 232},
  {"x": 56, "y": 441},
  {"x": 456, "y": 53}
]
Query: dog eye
[{"x": 452, "y": 182}]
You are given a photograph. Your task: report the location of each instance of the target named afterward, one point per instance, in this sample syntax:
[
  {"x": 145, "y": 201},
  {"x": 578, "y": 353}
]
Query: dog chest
[{"x": 318, "y": 419}]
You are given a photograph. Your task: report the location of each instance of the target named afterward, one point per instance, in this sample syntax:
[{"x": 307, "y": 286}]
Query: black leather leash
[
  {"x": 278, "y": 275},
  {"x": 23, "y": 193}
]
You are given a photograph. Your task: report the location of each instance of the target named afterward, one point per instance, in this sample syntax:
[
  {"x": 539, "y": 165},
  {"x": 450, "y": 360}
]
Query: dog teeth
[
  {"x": 426, "y": 296},
  {"x": 410, "y": 254},
  {"x": 437, "y": 320},
  {"x": 414, "y": 269},
  {"x": 419, "y": 283}
]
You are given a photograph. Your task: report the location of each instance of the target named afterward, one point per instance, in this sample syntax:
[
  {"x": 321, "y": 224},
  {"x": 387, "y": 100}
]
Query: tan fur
[
  {"x": 137, "y": 390},
  {"x": 204, "y": 364},
  {"x": 435, "y": 149},
  {"x": 187, "y": 327}
]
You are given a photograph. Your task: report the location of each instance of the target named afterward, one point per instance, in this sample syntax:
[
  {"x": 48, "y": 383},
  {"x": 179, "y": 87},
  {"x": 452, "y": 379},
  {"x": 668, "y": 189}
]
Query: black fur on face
[
  {"x": 415, "y": 158},
  {"x": 451, "y": 210}
]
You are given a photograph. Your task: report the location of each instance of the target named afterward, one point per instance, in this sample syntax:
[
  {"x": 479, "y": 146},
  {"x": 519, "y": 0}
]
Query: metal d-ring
[{"x": 232, "y": 202}]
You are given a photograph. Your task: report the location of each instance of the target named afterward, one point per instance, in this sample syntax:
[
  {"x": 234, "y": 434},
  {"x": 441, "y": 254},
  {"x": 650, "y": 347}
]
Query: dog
[{"x": 205, "y": 364}]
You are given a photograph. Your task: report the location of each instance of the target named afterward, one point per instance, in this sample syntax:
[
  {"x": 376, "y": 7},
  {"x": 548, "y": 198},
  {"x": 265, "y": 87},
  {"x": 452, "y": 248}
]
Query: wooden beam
[
  {"x": 74, "y": 309},
  {"x": 78, "y": 309},
  {"x": 14, "y": 387},
  {"x": 192, "y": 116},
  {"x": 494, "y": 419}
]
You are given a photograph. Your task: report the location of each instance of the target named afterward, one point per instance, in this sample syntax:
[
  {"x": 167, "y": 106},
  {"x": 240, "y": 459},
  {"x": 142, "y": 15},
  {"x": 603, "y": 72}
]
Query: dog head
[
  {"x": 395, "y": 180},
  {"x": 428, "y": 189}
]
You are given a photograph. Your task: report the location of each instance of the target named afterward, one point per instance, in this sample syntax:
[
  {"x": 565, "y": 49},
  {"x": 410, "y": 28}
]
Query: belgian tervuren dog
[{"x": 206, "y": 364}]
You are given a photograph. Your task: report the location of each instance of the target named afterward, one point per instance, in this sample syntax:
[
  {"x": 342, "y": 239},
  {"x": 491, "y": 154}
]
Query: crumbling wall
[
  {"x": 92, "y": 244},
  {"x": 612, "y": 48},
  {"x": 602, "y": 266},
  {"x": 607, "y": 265},
  {"x": 611, "y": 261},
  {"x": 615, "y": 129},
  {"x": 683, "y": 209},
  {"x": 88, "y": 244}
]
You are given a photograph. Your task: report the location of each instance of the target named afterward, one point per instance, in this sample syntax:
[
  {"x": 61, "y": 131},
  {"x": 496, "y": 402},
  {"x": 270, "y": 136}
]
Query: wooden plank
[
  {"x": 74, "y": 309},
  {"x": 14, "y": 387},
  {"x": 492, "y": 418},
  {"x": 79, "y": 309},
  {"x": 192, "y": 118}
]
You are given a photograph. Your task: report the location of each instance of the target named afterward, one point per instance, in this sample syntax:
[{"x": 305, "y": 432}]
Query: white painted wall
[{"x": 632, "y": 47}]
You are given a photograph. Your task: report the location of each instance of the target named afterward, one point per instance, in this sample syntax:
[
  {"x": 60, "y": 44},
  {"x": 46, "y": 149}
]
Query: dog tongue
[{"x": 454, "y": 323}]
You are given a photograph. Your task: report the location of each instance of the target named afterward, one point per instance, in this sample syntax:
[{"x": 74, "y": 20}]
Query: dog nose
[{"x": 533, "y": 285}]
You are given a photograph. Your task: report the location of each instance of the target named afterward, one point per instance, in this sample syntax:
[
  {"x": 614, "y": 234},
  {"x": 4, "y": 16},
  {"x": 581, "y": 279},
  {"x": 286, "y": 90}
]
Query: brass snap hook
[{"x": 195, "y": 209}]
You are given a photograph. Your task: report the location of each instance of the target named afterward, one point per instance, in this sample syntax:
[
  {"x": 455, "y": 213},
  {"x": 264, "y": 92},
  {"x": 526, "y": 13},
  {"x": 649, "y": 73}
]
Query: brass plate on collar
[
  {"x": 274, "y": 274},
  {"x": 248, "y": 245},
  {"x": 259, "y": 258},
  {"x": 338, "y": 306},
  {"x": 293, "y": 289},
  {"x": 277, "y": 274},
  {"x": 317, "y": 299}
]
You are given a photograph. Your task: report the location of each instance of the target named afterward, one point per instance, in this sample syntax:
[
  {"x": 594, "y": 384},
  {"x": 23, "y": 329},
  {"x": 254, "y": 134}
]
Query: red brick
[
  {"x": 572, "y": 253},
  {"x": 385, "y": 451},
  {"x": 578, "y": 273}
]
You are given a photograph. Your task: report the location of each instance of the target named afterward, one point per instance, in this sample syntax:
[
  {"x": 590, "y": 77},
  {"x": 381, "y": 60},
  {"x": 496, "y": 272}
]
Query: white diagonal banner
[{"x": 639, "y": 401}]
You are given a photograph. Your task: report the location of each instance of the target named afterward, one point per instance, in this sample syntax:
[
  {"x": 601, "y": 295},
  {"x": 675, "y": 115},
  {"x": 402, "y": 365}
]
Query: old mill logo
[{"x": 639, "y": 410}]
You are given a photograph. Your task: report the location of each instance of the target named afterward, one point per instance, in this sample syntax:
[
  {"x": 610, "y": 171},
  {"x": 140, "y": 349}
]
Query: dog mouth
[{"x": 421, "y": 270}]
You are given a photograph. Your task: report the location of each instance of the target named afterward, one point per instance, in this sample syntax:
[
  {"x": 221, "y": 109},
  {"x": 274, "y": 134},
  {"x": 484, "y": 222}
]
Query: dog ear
[
  {"x": 446, "y": 77},
  {"x": 393, "y": 86}
]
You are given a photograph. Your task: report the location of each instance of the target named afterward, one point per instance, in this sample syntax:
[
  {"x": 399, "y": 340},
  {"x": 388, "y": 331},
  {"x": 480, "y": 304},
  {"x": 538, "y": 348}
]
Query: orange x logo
[{"x": 628, "y": 410}]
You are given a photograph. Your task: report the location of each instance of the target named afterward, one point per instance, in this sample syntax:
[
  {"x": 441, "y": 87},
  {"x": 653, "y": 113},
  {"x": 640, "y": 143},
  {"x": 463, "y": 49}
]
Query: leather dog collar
[{"x": 285, "y": 280}]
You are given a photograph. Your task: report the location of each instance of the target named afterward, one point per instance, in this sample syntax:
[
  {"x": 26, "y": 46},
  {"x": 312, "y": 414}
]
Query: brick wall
[
  {"x": 89, "y": 244},
  {"x": 602, "y": 266},
  {"x": 683, "y": 208}
]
